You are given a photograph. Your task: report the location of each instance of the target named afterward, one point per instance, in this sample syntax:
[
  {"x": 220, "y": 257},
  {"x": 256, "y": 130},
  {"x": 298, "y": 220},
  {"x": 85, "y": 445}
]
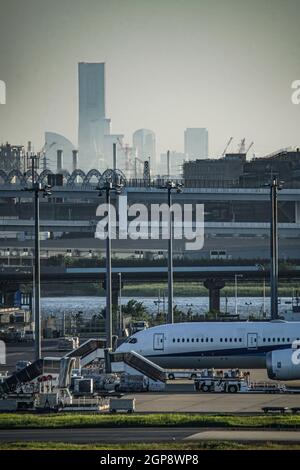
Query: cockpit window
[{"x": 132, "y": 340}]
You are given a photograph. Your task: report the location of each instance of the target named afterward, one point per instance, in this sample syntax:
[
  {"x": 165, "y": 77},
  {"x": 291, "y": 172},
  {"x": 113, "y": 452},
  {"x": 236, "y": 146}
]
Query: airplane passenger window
[
  {"x": 240, "y": 340},
  {"x": 202, "y": 340},
  {"x": 235, "y": 340},
  {"x": 173, "y": 340},
  {"x": 274, "y": 340},
  {"x": 230, "y": 340},
  {"x": 288, "y": 340},
  {"x": 221, "y": 339},
  {"x": 206, "y": 339},
  {"x": 197, "y": 340},
  {"x": 269, "y": 339},
  {"x": 283, "y": 340},
  {"x": 188, "y": 340},
  {"x": 225, "y": 340},
  {"x": 132, "y": 341},
  {"x": 192, "y": 340},
  {"x": 278, "y": 339},
  {"x": 211, "y": 340},
  {"x": 178, "y": 340},
  {"x": 264, "y": 340},
  {"x": 182, "y": 340}
]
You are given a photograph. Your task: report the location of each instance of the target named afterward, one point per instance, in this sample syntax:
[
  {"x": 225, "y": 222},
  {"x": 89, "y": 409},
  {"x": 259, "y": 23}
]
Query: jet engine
[{"x": 283, "y": 364}]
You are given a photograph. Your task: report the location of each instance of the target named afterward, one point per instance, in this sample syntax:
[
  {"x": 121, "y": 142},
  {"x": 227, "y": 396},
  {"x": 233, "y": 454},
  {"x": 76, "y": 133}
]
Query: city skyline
[{"x": 226, "y": 66}]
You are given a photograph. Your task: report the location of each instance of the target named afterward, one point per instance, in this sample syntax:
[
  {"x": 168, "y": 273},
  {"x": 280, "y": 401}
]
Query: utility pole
[
  {"x": 37, "y": 188},
  {"x": 107, "y": 188},
  {"x": 275, "y": 186},
  {"x": 168, "y": 163},
  {"x": 114, "y": 156},
  {"x": 171, "y": 186},
  {"x": 236, "y": 276}
]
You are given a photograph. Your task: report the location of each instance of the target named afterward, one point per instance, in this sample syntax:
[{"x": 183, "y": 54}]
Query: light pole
[
  {"x": 120, "y": 304},
  {"x": 236, "y": 276},
  {"x": 275, "y": 186},
  {"x": 37, "y": 188},
  {"x": 107, "y": 188},
  {"x": 171, "y": 186}
]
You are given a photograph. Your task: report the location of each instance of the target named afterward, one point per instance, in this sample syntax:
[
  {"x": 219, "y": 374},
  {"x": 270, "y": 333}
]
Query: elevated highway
[
  {"x": 142, "y": 274},
  {"x": 241, "y": 229},
  {"x": 89, "y": 191}
]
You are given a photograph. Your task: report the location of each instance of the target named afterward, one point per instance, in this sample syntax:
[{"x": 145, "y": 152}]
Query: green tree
[{"x": 136, "y": 310}]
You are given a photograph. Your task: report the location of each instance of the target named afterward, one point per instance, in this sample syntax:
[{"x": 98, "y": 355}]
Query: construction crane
[
  {"x": 249, "y": 147},
  {"x": 227, "y": 145},
  {"x": 241, "y": 148}
]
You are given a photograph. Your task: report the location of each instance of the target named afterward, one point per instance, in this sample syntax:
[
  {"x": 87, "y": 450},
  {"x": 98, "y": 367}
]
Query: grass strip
[
  {"x": 33, "y": 421},
  {"x": 182, "y": 446}
]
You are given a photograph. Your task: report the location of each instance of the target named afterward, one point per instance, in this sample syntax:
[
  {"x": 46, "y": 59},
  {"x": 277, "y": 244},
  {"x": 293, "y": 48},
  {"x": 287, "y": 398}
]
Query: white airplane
[{"x": 271, "y": 345}]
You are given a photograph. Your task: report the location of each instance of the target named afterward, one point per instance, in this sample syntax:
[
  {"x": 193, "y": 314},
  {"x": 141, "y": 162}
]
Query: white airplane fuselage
[{"x": 212, "y": 344}]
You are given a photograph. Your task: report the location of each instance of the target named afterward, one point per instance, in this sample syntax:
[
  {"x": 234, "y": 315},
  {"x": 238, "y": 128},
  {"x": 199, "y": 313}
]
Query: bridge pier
[
  {"x": 297, "y": 212},
  {"x": 214, "y": 286}
]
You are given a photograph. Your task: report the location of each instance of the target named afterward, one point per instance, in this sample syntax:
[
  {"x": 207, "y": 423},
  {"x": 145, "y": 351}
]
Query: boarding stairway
[
  {"x": 61, "y": 367},
  {"x": 140, "y": 364},
  {"x": 28, "y": 374},
  {"x": 88, "y": 351}
]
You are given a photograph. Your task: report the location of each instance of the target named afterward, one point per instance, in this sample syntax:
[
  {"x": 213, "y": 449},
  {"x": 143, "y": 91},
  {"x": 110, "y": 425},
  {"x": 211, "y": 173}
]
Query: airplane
[{"x": 272, "y": 345}]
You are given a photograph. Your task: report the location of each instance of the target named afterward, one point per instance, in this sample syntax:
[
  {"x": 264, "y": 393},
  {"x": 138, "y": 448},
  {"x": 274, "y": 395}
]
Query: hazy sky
[{"x": 170, "y": 64}]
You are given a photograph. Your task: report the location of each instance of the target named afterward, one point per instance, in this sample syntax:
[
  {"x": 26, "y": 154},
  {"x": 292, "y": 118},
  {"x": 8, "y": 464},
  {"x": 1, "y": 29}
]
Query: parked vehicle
[
  {"x": 20, "y": 365},
  {"x": 183, "y": 374},
  {"x": 68, "y": 343},
  {"x": 29, "y": 335}
]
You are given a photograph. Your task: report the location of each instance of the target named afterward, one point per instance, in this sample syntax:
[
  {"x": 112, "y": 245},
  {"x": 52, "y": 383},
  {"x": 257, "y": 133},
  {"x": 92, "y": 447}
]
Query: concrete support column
[
  {"x": 214, "y": 286},
  {"x": 297, "y": 212}
]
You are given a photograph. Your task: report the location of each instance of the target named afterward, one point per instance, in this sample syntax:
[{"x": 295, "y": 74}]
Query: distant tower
[
  {"x": 92, "y": 122},
  {"x": 144, "y": 143},
  {"x": 196, "y": 142}
]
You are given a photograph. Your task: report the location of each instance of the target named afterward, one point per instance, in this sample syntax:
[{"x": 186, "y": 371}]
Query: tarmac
[
  {"x": 121, "y": 435},
  {"x": 180, "y": 395}
]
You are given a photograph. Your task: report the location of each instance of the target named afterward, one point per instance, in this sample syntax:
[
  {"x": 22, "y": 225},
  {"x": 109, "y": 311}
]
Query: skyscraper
[
  {"x": 196, "y": 142},
  {"x": 144, "y": 143},
  {"x": 92, "y": 122}
]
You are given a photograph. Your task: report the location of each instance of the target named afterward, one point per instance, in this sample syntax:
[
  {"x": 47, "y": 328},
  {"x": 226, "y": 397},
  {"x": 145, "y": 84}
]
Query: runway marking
[{"x": 253, "y": 435}]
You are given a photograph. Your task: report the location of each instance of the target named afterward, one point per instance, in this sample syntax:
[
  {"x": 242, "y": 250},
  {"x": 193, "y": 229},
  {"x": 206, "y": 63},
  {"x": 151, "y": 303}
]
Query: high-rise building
[
  {"x": 196, "y": 142},
  {"x": 144, "y": 143},
  {"x": 93, "y": 125}
]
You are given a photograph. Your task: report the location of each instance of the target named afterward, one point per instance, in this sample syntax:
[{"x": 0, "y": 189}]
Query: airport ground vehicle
[
  {"x": 183, "y": 374},
  {"x": 68, "y": 343},
  {"x": 139, "y": 326},
  {"x": 20, "y": 365},
  {"x": 122, "y": 404},
  {"x": 29, "y": 335},
  {"x": 231, "y": 381}
]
